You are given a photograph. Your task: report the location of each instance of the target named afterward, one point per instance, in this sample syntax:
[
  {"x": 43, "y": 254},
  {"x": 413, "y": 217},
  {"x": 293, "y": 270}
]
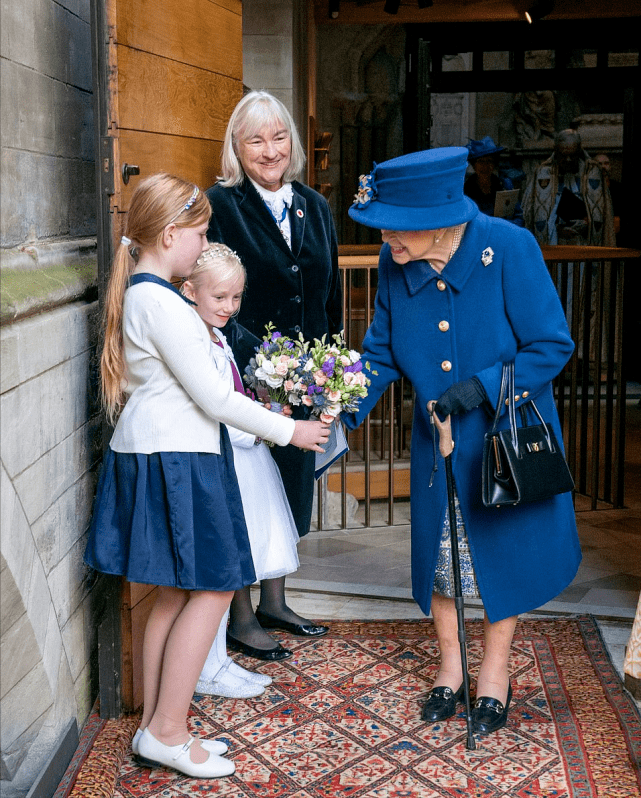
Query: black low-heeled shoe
[
  {"x": 305, "y": 630},
  {"x": 441, "y": 703},
  {"x": 489, "y": 714},
  {"x": 267, "y": 654}
]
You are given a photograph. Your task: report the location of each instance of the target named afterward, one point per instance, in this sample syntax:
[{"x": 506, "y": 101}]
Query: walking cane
[{"x": 446, "y": 447}]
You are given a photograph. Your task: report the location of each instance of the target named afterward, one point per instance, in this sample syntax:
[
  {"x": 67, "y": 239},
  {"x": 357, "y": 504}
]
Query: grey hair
[
  {"x": 568, "y": 136},
  {"x": 257, "y": 110}
]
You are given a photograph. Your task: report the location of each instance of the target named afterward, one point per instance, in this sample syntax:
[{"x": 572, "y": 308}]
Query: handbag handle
[{"x": 507, "y": 392}]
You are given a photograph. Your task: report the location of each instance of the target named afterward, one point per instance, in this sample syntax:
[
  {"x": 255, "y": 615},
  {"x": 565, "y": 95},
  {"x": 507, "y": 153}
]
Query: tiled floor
[{"x": 365, "y": 572}]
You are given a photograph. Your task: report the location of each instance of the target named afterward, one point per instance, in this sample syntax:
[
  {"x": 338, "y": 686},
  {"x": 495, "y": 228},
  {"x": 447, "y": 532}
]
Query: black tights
[{"x": 243, "y": 624}]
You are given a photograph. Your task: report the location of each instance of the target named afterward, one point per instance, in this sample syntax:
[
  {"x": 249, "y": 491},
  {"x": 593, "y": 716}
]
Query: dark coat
[
  {"x": 297, "y": 289},
  {"x": 523, "y": 556}
]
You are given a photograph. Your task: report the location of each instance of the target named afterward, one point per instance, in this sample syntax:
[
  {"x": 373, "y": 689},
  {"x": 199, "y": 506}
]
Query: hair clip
[
  {"x": 126, "y": 241},
  {"x": 187, "y": 205}
]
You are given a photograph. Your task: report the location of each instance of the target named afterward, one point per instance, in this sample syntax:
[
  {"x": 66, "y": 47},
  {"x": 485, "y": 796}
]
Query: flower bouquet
[
  {"x": 333, "y": 377},
  {"x": 273, "y": 374}
]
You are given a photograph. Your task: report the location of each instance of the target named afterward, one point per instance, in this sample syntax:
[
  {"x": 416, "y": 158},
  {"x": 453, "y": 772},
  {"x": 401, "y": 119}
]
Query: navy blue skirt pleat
[{"x": 171, "y": 518}]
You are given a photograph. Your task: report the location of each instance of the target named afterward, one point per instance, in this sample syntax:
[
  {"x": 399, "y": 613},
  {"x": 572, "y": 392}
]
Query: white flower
[
  {"x": 266, "y": 367},
  {"x": 274, "y": 382},
  {"x": 354, "y": 356}
]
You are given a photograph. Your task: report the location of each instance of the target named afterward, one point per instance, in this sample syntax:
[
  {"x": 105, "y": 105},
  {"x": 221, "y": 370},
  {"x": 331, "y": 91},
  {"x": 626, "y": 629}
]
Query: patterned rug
[{"x": 342, "y": 720}]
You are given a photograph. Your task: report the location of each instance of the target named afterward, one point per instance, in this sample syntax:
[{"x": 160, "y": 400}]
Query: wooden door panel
[
  {"x": 171, "y": 74},
  {"x": 193, "y": 159},
  {"x": 197, "y": 32},
  {"x": 159, "y": 95}
]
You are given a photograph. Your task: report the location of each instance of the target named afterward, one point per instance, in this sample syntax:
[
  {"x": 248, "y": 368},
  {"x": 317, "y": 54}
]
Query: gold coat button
[
  {"x": 444, "y": 326},
  {"x": 526, "y": 394},
  {"x": 516, "y": 398},
  {"x": 441, "y": 285},
  {"x": 446, "y": 365}
]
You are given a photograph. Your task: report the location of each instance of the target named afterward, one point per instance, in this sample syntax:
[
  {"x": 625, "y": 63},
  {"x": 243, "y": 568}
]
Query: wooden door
[{"x": 167, "y": 75}]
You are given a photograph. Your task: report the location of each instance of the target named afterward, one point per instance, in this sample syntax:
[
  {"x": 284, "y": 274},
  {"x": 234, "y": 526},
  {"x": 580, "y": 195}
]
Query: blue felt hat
[
  {"x": 485, "y": 146},
  {"x": 419, "y": 191}
]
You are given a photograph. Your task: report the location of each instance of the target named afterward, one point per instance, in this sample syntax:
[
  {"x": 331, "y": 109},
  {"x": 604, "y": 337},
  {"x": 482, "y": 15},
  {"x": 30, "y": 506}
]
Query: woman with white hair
[{"x": 284, "y": 234}]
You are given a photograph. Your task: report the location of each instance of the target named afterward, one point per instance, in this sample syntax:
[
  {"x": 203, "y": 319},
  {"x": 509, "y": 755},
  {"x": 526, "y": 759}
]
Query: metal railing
[{"x": 590, "y": 390}]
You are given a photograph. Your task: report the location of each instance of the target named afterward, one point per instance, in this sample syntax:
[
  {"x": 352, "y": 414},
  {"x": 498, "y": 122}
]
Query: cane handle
[{"x": 445, "y": 442}]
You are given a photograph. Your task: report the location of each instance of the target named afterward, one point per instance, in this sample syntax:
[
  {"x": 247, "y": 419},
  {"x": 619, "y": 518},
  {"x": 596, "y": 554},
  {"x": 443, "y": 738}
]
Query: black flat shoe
[
  {"x": 441, "y": 703},
  {"x": 305, "y": 630},
  {"x": 489, "y": 714},
  {"x": 268, "y": 654}
]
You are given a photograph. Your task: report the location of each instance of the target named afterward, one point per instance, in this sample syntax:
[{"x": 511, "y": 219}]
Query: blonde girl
[
  {"x": 216, "y": 285},
  {"x": 167, "y": 495}
]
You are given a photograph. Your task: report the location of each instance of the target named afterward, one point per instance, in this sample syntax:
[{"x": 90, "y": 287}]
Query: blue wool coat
[{"x": 523, "y": 556}]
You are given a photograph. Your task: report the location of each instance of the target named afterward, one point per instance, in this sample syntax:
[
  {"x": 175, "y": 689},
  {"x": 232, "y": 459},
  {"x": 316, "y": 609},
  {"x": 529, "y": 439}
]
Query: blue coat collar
[{"x": 466, "y": 259}]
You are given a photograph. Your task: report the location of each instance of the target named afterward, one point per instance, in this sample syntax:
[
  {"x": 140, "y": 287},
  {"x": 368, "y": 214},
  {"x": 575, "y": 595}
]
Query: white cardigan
[{"x": 177, "y": 388}]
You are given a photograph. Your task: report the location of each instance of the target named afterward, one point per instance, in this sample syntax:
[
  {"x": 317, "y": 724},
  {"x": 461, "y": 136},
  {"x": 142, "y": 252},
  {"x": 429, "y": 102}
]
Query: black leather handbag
[{"x": 521, "y": 464}]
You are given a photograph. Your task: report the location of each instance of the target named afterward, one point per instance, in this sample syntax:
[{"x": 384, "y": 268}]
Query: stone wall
[
  {"x": 50, "y": 435},
  {"x": 47, "y": 121},
  {"x": 50, "y": 444}
]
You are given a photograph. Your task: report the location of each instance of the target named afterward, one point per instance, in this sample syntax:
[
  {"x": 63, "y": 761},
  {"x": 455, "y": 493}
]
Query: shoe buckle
[{"x": 184, "y": 749}]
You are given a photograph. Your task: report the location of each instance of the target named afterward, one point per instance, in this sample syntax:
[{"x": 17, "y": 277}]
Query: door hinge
[{"x": 107, "y": 146}]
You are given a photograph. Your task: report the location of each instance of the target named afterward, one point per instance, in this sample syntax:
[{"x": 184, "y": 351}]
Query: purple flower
[
  {"x": 328, "y": 366},
  {"x": 289, "y": 345},
  {"x": 358, "y": 366},
  {"x": 276, "y": 336}
]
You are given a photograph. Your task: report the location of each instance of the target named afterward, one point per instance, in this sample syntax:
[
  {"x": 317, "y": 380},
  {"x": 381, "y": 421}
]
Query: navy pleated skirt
[{"x": 173, "y": 519}]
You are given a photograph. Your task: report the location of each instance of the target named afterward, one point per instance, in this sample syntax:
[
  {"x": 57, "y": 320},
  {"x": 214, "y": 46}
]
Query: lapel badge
[
  {"x": 299, "y": 213},
  {"x": 487, "y": 256}
]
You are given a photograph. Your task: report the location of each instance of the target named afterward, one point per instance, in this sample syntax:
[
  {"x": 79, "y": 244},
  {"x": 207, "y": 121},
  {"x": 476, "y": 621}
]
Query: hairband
[
  {"x": 126, "y": 241},
  {"x": 187, "y": 205},
  {"x": 218, "y": 251}
]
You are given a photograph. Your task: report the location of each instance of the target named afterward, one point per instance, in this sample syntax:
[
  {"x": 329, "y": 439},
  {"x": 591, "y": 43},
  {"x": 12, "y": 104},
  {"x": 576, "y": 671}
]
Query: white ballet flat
[
  {"x": 152, "y": 753},
  {"x": 251, "y": 676},
  {"x": 214, "y": 746},
  {"x": 229, "y": 686}
]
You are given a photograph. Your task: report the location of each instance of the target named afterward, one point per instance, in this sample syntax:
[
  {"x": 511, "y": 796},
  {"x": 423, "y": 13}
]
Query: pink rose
[
  {"x": 326, "y": 418},
  {"x": 307, "y": 400},
  {"x": 359, "y": 378},
  {"x": 281, "y": 369},
  {"x": 320, "y": 378},
  {"x": 345, "y": 361},
  {"x": 289, "y": 385},
  {"x": 349, "y": 377},
  {"x": 334, "y": 396}
]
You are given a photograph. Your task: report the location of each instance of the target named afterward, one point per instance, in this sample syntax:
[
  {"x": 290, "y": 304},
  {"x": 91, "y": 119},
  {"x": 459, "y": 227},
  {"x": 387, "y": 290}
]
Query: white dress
[{"x": 270, "y": 524}]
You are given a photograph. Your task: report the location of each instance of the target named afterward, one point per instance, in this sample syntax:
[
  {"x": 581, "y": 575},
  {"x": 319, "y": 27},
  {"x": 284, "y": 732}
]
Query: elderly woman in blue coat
[{"x": 459, "y": 293}]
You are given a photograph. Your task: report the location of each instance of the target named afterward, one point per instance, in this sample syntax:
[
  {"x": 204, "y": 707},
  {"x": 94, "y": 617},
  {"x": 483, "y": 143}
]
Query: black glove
[{"x": 461, "y": 397}]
